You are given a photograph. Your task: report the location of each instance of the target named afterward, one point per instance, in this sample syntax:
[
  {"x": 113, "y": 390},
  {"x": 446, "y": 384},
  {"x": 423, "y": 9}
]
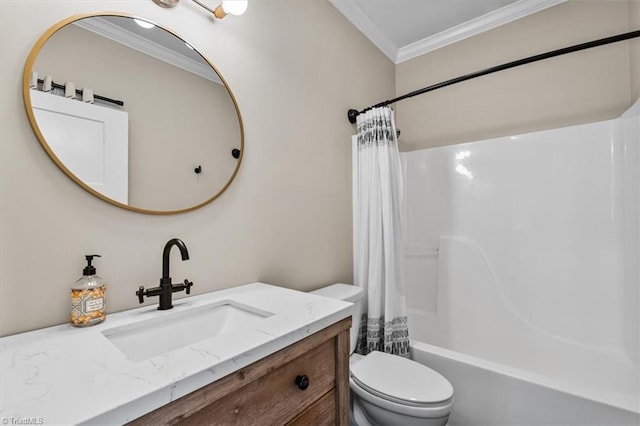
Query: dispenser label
[
  {"x": 88, "y": 306},
  {"x": 93, "y": 304}
]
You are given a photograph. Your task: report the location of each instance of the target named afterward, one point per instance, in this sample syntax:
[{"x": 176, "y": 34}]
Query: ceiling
[
  {"x": 155, "y": 42},
  {"x": 404, "y": 29}
]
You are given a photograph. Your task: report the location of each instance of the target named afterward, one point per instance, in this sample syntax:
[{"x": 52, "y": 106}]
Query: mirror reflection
[{"x": 134, "y": 114}]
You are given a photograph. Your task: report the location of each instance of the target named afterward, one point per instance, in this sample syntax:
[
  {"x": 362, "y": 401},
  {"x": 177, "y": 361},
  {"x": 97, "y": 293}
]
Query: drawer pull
[{"x": 302, "y": 382}]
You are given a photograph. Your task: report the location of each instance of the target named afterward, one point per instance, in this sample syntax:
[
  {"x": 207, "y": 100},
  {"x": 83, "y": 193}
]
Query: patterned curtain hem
[{"x": 376, "y": 334}]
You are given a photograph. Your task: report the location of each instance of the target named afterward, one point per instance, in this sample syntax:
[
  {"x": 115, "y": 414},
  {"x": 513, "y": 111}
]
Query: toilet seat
[
  {"x": 401, "y": 385},
  {"x": 425, "y": 412},
  {"x": 398, "y": 400}
]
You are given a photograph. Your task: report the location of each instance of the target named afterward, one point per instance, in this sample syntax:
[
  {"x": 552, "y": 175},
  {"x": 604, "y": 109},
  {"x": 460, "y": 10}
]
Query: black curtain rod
[
  {"x": 79, "y": 92},
  {"x": 353, "y": 113}
]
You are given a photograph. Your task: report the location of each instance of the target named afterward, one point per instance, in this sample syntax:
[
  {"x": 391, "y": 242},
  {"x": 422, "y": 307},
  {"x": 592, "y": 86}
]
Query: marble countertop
[{"x": 68, "y": 375}]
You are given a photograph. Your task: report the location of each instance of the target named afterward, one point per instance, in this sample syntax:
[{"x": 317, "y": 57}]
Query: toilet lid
[{"x": 396, "y": 378}]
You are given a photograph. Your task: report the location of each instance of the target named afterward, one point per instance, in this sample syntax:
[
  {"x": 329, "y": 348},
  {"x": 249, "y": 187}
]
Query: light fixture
[{"x": 227, "y": 7}]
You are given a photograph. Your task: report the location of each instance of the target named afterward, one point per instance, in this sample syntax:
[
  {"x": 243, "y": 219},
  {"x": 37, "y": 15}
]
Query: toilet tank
[{"x": 348, "y": 293}]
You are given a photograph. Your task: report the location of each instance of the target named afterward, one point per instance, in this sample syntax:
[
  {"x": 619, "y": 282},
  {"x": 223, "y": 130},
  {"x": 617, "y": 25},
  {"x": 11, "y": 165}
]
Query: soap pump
[{"x": 88, "y": 305}]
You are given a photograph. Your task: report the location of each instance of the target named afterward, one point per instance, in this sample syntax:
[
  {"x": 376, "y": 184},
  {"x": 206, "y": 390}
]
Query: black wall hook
[
  {"x": 235, "y": 153},
  {"x": 198, "y": 169},
  {"x": 352, "y": 115}
]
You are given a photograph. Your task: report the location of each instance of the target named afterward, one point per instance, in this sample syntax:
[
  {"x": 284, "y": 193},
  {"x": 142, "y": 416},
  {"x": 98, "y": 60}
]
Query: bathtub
[
  {"x": 522, "y": 273},
  {"x": 487, "y": 393}
]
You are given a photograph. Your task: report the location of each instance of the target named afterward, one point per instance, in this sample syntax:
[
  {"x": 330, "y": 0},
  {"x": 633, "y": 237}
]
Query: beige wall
[
  {"x": 580, "y": 87},
  {"x": 171, "y": 112},
  {"x": 295, "y": 67},
  {"x": 634, "y": 49}
]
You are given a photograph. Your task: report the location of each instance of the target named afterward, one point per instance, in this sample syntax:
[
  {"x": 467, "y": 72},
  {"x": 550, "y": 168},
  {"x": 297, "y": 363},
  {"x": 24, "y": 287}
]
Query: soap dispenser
[{"x": 88, "y": 305}]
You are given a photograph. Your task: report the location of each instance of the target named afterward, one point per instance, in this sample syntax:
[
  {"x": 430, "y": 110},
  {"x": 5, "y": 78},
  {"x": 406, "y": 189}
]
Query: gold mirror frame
[{"x": 33, "y": 54}]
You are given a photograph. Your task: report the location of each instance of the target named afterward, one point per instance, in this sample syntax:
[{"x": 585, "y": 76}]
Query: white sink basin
[{"x": 153, "y": 337}]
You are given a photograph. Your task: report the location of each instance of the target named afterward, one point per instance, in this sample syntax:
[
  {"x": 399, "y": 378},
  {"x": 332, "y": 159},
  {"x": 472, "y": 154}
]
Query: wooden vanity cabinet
[{"x": 272, "y": 391}]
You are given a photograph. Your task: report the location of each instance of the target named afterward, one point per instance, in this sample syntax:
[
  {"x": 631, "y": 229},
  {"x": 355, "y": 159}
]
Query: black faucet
[{"x": 166, "y": 289}]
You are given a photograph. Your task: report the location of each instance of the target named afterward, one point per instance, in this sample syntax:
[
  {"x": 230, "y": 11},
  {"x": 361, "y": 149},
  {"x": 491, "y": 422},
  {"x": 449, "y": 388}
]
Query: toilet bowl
[{"x": 388, "y": 389}]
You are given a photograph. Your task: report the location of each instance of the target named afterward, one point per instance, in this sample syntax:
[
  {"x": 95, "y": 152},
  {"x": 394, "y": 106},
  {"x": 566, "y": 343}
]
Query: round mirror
[{"x": 133, "y": 113}]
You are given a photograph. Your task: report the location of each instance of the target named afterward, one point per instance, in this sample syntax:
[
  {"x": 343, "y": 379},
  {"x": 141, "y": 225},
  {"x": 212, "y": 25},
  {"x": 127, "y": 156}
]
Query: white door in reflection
[{"x": 90, "y": 140}]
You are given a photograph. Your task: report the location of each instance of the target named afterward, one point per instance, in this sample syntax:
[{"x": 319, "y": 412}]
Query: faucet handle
[
  {"x": 140, "y": 294},
  {"x": 187, "y": 286}
]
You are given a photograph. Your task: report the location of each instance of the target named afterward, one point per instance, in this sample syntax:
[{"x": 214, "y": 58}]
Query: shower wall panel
[{"x": 523, "y": 250}]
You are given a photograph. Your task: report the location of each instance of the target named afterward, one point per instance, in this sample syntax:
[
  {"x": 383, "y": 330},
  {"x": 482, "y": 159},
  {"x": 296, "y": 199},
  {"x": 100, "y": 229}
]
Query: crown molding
[
  {"x": 483, "y": 23},
  {"x": 134, "y": 41},
  {"x": 504, "y": 15},
  {"x": 355, "y": 15}
]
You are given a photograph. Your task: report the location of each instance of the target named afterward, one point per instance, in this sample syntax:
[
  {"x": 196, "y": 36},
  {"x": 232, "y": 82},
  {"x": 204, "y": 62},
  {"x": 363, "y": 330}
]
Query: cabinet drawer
[
  {"x": 320, "y": 413},
  {"x": 274, "y": 399}
]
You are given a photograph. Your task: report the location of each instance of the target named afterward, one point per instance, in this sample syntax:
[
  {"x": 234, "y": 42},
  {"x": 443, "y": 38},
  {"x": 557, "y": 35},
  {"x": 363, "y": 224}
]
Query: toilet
[{"x": 388, "y": 389}]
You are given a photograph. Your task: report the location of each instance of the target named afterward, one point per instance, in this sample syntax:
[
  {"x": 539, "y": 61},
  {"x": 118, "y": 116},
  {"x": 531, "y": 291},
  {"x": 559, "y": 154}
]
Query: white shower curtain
[{"x": 377, "y": 192}]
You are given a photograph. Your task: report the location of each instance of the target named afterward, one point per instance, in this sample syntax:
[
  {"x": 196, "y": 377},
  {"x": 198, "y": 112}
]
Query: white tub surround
[
  {"x": 66, "y": 375},
  {"x": 523, "y": 251}
]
